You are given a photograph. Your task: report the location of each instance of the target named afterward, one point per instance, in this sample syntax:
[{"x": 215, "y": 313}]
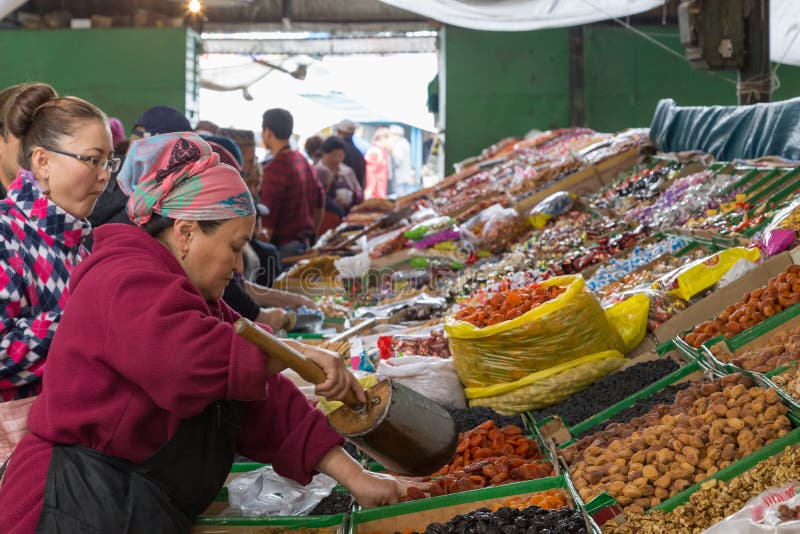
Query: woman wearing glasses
[{"x": 65, "y": 146}]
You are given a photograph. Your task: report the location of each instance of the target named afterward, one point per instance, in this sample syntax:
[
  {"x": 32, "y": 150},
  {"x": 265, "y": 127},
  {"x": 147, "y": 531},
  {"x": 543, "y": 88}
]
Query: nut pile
[
  {"x": 608, "y": 391},
  {"x": 781, "y": 349},
  {"x": 779, "y": 293},
  {"x": 645, "y": 463},
  {"x": 714, "y": 501},
  {"x": 511, "y": 521},
  {"x": 471, "y": 417},
  {"x": 789, "y": 382}
]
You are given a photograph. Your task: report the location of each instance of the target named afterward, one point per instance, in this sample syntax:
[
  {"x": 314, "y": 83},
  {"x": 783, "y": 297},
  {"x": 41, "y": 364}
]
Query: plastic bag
[
  {"x": 496, "y": 228},
  {"x": 781, "y": 232},
  {"x": 429, "y": 227},
  {"x": 571, "y": 326},
  {"x": 433, "y": 343},
  {"x": 761, "y": 514},
  {"x": 263, "y": 492},
  {"x": 354, "y": 266},
  {"x": 629, "y": 318},
  {"x": 439, "y": 237},
  {"x": 553, "y": 206},
  {"x": 548, "y": 387},
  {"x": 433, "y": 377},
  {"x": 739, "y": 269},
  {"x": 699, "y": 275}
]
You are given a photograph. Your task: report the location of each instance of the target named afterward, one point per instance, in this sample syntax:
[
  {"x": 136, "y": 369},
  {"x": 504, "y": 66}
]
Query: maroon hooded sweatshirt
[{"x": 137, "y": 350}]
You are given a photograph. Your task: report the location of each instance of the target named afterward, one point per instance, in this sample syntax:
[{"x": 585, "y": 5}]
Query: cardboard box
[{"x": 717, "y": 301}]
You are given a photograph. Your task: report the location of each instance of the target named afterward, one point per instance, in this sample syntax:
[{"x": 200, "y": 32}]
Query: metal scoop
[{"x": 405, "y": 431}]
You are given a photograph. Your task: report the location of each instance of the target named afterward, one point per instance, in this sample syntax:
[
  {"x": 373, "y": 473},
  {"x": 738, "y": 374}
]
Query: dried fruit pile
[
  {"x": 508, "y": 521},
  {"x": 507, "y": 304},
  {"x": 781, "y": 349},
  {"x": 549, "y": 500},
  {"x": 489, "y": 456},
  {"x": 608, "y": 391},
  {"x": 656, "y": 457},
  {"x": 779, "y": 293}
]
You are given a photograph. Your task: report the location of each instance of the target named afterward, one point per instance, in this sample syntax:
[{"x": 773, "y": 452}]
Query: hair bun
[{"x": 22, "y": 110}]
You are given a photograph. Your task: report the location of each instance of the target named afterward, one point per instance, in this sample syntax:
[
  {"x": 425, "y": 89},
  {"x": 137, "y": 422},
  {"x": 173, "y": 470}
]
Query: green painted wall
[
  {"x": 500, "y": 84},
  {"x": 626, "y": 76},
  {"x": 123, "y": 71}
]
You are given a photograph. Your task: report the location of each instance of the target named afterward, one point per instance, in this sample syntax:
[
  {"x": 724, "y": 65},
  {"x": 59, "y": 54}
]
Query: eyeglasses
[{"x": 112, "y": 165}]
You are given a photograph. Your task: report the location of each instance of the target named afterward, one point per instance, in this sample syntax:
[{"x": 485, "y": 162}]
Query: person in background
[
  {"x": 405, "y": 179},
  {"x": 9, "y": 143},
  {"x": 313, "y": 149},
  {"x": 65, "y": 161},
  {"x": 341, "y": 186},
  {"x": 353, "y": 157},
  {"x": 207, "y": 128},
  {"x": 117, "y": 134},
  {"x": 138, "y": 424},
  {"x": 291, "y": 191},
  {"x": 378, "y": 163},
  {"x": 157, "y": 120}
]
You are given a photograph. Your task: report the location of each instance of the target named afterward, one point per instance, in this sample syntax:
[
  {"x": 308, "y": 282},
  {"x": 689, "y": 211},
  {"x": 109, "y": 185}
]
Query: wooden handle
[
  {"x": 353, "y": 330},
  {"x": 294, "y": 359}
]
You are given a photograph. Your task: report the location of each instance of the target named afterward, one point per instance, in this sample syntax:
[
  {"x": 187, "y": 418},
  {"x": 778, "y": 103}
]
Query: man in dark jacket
[{"x": 353, "y": 157}]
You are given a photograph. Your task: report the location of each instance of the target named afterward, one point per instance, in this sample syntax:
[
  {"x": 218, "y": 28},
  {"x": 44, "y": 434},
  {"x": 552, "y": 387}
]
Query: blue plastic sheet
[{"x": 729, "y": 132}]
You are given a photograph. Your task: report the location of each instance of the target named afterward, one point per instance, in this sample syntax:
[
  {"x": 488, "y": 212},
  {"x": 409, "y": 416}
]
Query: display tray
[
  {"x": 416, "y": 515},
  {"x": 751, "y": 339}
]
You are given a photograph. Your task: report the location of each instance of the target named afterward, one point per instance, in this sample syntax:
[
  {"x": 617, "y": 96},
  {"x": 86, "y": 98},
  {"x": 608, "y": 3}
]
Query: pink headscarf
[{"x": 177, "y": 175}]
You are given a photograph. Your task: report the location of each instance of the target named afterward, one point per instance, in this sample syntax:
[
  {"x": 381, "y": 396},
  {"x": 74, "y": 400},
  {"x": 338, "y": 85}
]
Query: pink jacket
[{"x": 137, "y": 350}]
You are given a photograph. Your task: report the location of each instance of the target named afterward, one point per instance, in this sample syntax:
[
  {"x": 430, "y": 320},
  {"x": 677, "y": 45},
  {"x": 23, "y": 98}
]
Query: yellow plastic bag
[
  {"x": 701, "y": 274},
  {"x": 545, "y": 388},
  {"x": 566, "y": 328},
  {"x": 328, "y": 406},
  {"x": 629, "y": 318}
]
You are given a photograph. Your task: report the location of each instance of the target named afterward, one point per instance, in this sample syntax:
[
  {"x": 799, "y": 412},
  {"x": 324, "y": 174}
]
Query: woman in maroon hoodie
[{"x": 149, "y": 391}]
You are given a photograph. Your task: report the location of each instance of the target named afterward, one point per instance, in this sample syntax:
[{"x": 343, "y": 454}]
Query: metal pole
[{"x": 755, "y": 82}]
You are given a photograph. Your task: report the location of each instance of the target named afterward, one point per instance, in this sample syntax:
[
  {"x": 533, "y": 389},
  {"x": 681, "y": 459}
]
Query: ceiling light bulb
[{"x": 195, "y": 6}]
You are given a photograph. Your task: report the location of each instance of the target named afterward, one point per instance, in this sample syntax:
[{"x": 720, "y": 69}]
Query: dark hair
[
  {"x": 7, "y": 97},
  {"x": 313, "y": 146},
  {"x": 333, "y": 143},
  {"x": 38, "y": 117},
  {"x": 279, "y": 122},
  {"x": 158, "y": 223}
]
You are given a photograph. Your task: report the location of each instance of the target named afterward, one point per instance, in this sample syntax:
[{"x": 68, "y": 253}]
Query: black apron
[{"x": 88, "y": 492}]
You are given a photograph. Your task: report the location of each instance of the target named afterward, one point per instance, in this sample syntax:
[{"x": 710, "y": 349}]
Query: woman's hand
[
  {"x": 378, "y": 489},
  {"x": 293, "y": 300},
  {"x": 369, "y": 489},
  {"x": 274, "y": 317},
  {"x": 338, "y": 380}
]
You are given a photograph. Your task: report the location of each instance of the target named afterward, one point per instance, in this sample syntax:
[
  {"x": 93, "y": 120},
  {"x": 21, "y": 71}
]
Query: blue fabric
[{"x": 729, "y": 132}]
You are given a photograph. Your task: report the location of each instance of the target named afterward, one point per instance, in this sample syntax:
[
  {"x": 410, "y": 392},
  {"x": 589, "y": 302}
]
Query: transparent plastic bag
[
  {"x": 548, "y": 387},
  {"x": 429, "y": 227},
  {"x": 263, "y": 492},
  {"x": 780, "y": 234},
  {"x": 553, "y": 206},
  {"x": 496, "y": 228},
  {"x": 570, "y": 326},
  {"x": 762, "y": 514}
]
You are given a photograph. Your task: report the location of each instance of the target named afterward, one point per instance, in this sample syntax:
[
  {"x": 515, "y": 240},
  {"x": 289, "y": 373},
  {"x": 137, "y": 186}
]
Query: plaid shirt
[
  {"x": 292, "y": 192},
  {"x": 41, "y": 246}
]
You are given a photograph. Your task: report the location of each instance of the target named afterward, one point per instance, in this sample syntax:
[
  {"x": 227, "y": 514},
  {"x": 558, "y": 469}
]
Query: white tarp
[
  {"x": 8, "y": 6},
  {"x": 521, "y": 15}
]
